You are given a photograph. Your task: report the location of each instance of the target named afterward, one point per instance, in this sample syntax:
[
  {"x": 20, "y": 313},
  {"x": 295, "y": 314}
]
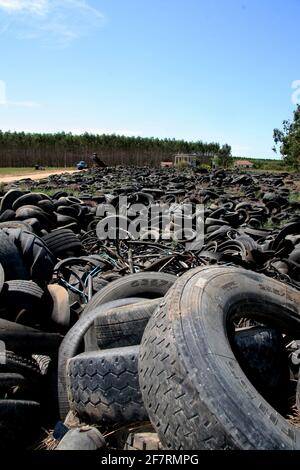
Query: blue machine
[{"x": 82, "y": 165}]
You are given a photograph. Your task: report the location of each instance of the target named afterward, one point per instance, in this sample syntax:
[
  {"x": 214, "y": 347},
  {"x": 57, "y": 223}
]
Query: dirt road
[{"x": 34, "y": 176}]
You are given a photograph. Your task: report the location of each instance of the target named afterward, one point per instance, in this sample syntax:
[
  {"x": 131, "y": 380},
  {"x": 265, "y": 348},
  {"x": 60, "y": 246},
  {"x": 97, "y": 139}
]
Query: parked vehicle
[{"x": 82, "y": 165}]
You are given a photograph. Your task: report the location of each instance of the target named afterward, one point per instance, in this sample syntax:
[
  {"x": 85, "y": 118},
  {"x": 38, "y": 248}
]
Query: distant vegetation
[
  {"x": 224, "y": 158},
  {"x": 287, "y": 140},
  {"x": 19, "y": 149},
  {"x": 25, "y": 150},
  {"x": 266, "y": 164}
]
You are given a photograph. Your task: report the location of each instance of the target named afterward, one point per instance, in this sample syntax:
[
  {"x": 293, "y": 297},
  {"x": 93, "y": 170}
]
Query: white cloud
[
  {"x": 21, "y": 104},
  {"x": 38, "y": 7},
  {"x": 56, "y": 22}
]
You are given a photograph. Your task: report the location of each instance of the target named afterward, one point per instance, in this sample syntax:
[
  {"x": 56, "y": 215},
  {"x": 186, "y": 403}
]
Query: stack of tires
[
  {"x": 206, "y": 363},
  {"x": 101, "y": 385},
  {"x": 28, "y": 348}
]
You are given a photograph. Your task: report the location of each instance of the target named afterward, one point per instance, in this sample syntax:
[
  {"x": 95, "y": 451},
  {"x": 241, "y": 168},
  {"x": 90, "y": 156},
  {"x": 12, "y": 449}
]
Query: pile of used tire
[{"x": 100, "y": 338}]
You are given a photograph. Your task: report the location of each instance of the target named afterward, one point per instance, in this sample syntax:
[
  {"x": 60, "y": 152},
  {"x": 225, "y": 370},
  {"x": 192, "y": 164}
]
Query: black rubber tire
[
  {"x": 72, "y": 226},
  {"x": 67, "y": 210},
  {"x": 147, "y": 285},
  {"x": 103, "y": 386},
  {"x": 26, "y": 199},
  {"x": 124, "y": 326},
  {"x": 22, "y": 295},
  {"x": 19, "y": 424},
  {"x": 263, "y": 358},
  {"x": 9, "y": 198},
  {"x": 7, "y": 216},
  {"x": 63, "y": 243},
  {"x": 24, "y": 288},
  {"x": 35, "y": 254},
  {"x": 20, "y": 365},
  {"x": 8, "y": 380},
  {"x": 72, "y": 342},
  {"x": 193, "y": 387},
  {"x": 25, "y": 340},
  {"x": 2, "y": 275},
  {"x": 34, "y": 224},
  {"x": 23, "y": 225},
  {"x": 43, "y": 362},
  {"x": 47, "y": 206},
  {"x": 11, "y": 260},
  {"x": 63, "y": 220},
  {"x": 59, "y": 194},
  {"x": 46, "y": 220}
]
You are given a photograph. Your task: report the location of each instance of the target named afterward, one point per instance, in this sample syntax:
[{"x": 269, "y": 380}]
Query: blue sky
[{"x": 217, "y": 70}]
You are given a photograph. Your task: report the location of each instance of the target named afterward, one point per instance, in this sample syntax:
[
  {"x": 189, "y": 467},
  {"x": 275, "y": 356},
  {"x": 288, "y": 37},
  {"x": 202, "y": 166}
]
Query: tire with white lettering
[
  {"x": 194, "y": 389},
  {"x": 103, "y": 386}
]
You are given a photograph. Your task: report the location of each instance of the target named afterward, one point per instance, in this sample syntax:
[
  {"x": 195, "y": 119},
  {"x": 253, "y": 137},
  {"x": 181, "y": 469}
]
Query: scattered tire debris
[{"x": 150, "y": 337}]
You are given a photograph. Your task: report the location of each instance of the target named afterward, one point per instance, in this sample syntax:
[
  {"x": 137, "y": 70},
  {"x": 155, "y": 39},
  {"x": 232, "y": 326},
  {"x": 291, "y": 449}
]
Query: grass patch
[
  {"x": 50, "y": 192},
  {"x": 295, "y": 197}
]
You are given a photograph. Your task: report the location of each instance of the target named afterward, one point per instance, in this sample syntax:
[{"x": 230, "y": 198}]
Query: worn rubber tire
[
  {"x": 9, "y": 198},
  {"x": 19, "y": 423},
  {"x": 35, "y": 255},
  {"x": 47, "y": 221},
  {"x": 263, "y": 358},
  {"x": 2, "y": 276},
  {"x": 72, "y": 342},
  {"x": 124, "y": 326},
  {"x": 7, "y": 216},
  {"x": 63, "y": 243},
  {"x": 148, "y": 285},
  {"x": 19, "y": 365},
  {"x": 19, "y": 295},
  {"x": 27, "y": 199},
  {"x": 8, "y": 380},
  {"x": 26, "y": 288},
  {"x": 11, "y": 260},
  {"x": 25, "y": 340},
  {"x": 193, "y": 387},
  {"x": 23, "y": 225},
  {"x": 103, "y": 386}
]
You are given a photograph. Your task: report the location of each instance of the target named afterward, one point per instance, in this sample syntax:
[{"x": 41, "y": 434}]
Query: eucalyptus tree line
[{"x": 59, "y": 149}]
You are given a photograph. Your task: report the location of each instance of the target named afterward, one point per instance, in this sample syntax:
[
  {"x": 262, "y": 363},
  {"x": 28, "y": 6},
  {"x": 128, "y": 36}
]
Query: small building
[
  {"x": 166, "y": 164},
  {"x": 243, "y": 164},
  {"x": 193, "y": 159}
]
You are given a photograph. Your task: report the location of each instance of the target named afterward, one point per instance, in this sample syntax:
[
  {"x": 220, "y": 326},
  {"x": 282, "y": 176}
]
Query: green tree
[
  {"x": 288, "y": 140},
  {"x": 224, "y": 158},
  {"x": 24, "y": 149}
]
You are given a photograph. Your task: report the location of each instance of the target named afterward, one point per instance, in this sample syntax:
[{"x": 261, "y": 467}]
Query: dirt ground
[{"x": 34, "y": 176}]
